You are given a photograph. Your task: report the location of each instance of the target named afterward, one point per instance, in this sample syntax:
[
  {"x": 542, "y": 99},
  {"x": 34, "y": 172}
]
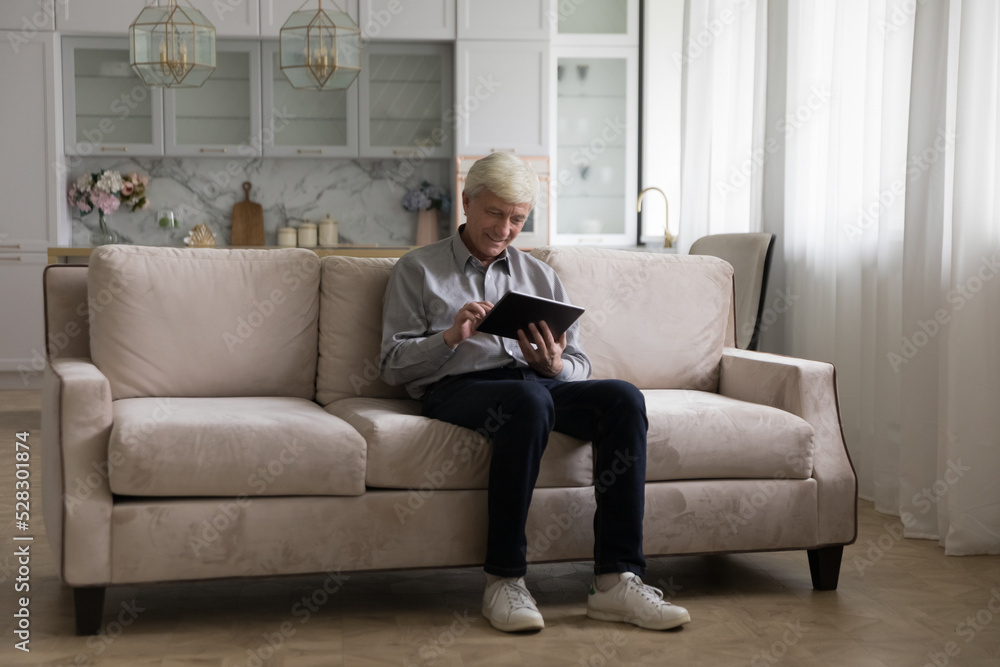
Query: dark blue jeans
[{"x": 519, "y": 408}]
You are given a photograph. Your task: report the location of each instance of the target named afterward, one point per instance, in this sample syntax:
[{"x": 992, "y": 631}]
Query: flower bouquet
[
  {"x": 104, "y": 192},
  {"x": 427, "y": 197},
  {"x": 427, "y": 200}
]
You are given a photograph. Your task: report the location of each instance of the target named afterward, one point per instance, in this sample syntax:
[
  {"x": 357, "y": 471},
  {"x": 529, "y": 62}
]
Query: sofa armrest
[
  {"x": 76, "y": 428},
  {"x": 807, "y": 389}
]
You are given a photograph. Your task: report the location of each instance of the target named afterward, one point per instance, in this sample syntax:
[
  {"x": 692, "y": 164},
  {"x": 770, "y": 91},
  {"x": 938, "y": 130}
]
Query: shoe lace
[
  {"x": 651, "y": 593},
  {"x": 518, "y": 595}
]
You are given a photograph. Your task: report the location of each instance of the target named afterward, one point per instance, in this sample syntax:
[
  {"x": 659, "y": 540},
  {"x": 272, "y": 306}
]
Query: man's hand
[
  {"x": 466, "y": 321},
  {"x": 546, "y": 357}
]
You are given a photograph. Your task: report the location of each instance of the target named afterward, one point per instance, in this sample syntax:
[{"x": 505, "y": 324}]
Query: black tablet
[{"x": 515, "y": 310}]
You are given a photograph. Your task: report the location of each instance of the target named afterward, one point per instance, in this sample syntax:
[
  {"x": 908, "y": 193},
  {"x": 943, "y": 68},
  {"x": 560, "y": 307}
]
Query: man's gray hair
[{"x": 505, "y": 175}]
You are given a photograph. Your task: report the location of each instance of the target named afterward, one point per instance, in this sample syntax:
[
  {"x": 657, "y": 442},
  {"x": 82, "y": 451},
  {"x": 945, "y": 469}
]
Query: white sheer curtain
[
  {"x": 953, "y": 215},
  {"x": 724, "y": 65},
  {"x": 845, "y": 177},
  {"x": 883, "y": 190}
]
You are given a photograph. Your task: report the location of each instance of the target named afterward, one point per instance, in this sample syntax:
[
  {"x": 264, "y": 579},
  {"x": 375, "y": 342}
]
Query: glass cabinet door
[
  {"x": 306, "y": 123},
  {"x": 597, "y": 22},
  {"x": 596, "y": 139},
  {"x": 223, "y": 115},
  {"x": 405, "y": 92},
  {"x": 107, "y": 108}
]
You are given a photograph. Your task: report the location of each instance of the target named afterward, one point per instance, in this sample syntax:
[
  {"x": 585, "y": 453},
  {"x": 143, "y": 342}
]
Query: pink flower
[
  {"x": 127, "y": 188},
  {"x": 104, "y": 200}
]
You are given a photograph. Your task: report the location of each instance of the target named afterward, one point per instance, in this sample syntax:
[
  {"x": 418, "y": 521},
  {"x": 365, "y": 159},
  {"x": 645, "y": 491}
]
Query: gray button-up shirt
[{"x": 427, "y": 288}]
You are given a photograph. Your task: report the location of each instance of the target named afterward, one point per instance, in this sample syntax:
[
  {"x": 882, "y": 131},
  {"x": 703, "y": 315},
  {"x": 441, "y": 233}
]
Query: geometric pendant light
[
  {"x": 171, "y": 46},
  {"x": 320, "y": 48}
]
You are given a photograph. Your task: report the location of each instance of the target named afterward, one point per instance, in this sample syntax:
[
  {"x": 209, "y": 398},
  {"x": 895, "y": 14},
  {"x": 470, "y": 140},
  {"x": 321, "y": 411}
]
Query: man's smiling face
[{"x": 492, "y": 224}]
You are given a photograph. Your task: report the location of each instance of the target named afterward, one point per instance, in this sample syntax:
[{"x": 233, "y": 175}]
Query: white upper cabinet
[
  {"x": 306, "y": 123},
  {"x": 31, "y": 168},
  {"x": 221, "y": 117},
  {"x": 231, "y": 18},
  {"x": 511, "y": 19},
  {"x": 274, "y": 13},
  {"x": 106, "y": 107},
  {"x": 27, "y": 17},
  {"x": 502, "y": 97},
  {"x": 408, "y": 19},
  {"x": 405, "y": 93},
  {"x": 596, "y": 22},
  {"x": 96, "y": 17}
]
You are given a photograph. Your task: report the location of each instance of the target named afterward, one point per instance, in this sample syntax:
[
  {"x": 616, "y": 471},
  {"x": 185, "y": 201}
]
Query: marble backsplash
[{"x": 364, "y": 196}]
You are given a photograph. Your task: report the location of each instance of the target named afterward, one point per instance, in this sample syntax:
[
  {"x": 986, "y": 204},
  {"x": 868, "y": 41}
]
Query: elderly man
[{"x": 436, "y": 297}]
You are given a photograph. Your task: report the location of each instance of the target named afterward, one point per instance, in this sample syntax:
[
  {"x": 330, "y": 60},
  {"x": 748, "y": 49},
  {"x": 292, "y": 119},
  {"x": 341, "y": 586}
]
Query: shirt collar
[{"x": 462, "y": 254}]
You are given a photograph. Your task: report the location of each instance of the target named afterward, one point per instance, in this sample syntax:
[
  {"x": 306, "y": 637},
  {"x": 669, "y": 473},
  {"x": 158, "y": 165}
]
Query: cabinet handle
[
  {"x": 408, "y": 153},
  {"x": 11, "y": 259},
  {"x": 212, "y": 150},
  {"x": 123, "y": 149},
  {"x": 503, "y": 150},
  {"x": 310, "y": 151},
  {"x": 15, "y": 246}
]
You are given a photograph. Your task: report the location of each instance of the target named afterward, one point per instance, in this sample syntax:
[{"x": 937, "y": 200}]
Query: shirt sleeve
[
  {"x": 408, "y": 353},
  {"x": 576, "y": 363}
]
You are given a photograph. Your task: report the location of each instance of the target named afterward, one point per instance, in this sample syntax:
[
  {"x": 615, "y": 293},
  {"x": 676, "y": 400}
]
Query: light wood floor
[{"x": 901, "y": 602}]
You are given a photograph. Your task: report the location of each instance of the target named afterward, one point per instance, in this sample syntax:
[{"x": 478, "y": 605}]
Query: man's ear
[{"x": 466, "y": 202}]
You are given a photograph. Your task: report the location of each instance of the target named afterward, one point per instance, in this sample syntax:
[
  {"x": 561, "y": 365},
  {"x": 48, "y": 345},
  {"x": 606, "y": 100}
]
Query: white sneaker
[
  {"x": 631, "y": 601},
  {"x": 509, "y": 607}
]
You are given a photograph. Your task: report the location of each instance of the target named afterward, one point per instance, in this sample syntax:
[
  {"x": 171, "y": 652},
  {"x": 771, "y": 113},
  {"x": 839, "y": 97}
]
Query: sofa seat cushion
[
  {"x": 232, "y": 446},
  {"x": 409, "y": 451},
  {"x": 701, "y": 435}
]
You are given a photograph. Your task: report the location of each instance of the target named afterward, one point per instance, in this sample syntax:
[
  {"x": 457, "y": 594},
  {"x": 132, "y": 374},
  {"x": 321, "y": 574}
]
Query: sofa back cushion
[
  {"x": 658, "y": 321},
  {"x": 67, "y": 333},
  {"x": 350, "y": 329},
  {"x": 204, "y": 321}
]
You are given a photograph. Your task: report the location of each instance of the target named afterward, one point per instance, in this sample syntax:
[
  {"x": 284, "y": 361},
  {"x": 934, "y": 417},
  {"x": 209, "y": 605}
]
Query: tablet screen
[{"x": 515, "y": 310}]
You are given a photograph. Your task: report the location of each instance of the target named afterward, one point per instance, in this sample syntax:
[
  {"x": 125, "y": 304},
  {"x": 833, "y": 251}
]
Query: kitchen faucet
[{"x": 668, "y": 238}]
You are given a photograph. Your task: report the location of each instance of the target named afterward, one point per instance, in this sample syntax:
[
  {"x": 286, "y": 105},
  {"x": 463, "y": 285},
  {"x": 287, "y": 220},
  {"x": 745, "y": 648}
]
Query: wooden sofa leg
[
  {"x": 824, "y": 566},
  {"x": 89, "y": 604}
]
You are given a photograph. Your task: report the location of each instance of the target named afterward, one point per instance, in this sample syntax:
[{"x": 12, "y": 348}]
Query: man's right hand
[{"x": 466, "y": 321}]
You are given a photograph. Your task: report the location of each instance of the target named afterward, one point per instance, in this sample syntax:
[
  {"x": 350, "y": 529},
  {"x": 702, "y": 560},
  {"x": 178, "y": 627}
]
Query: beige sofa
[{"x": 218, "y": 413}]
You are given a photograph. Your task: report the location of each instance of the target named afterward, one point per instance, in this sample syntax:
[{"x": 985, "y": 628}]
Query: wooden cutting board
[{"x": 248, "y": 221}]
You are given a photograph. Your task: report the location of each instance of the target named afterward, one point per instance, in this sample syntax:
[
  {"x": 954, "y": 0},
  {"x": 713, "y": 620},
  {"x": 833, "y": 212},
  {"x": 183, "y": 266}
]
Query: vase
[
  {"x": 427, "y": 227},
  {"x": 103, "y": 235}
]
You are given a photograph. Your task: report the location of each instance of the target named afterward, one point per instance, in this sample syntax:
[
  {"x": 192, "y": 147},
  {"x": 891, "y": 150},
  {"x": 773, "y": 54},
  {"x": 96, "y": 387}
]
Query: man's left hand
[{"x": 546, "y": 356}]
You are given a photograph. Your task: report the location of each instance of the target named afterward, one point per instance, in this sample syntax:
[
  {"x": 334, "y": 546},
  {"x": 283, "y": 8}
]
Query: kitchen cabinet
[
  {"x": 106, "y": 107},
  {"x": 306, "y": 123},
  {"x": 274, "y": 13},
  {"x": 222, "y": 117},
  {"x": 26, "y": 17},
  {"x": 397, "y": 109},
  {"x": 22, "y": 346},
  {"x": 512, "y": 19},
  {"x": 502, "y": 97},
  {"x": 596, "y": 145},
  {"x": 33, "y": 175},
  {"x": 231, "y": 18},
  {"x": 32, "y": 170},
  {"x": 425, "y": 20},
  {"x": 596, "y": 23},
  {"x": 405, "y": 91}
]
